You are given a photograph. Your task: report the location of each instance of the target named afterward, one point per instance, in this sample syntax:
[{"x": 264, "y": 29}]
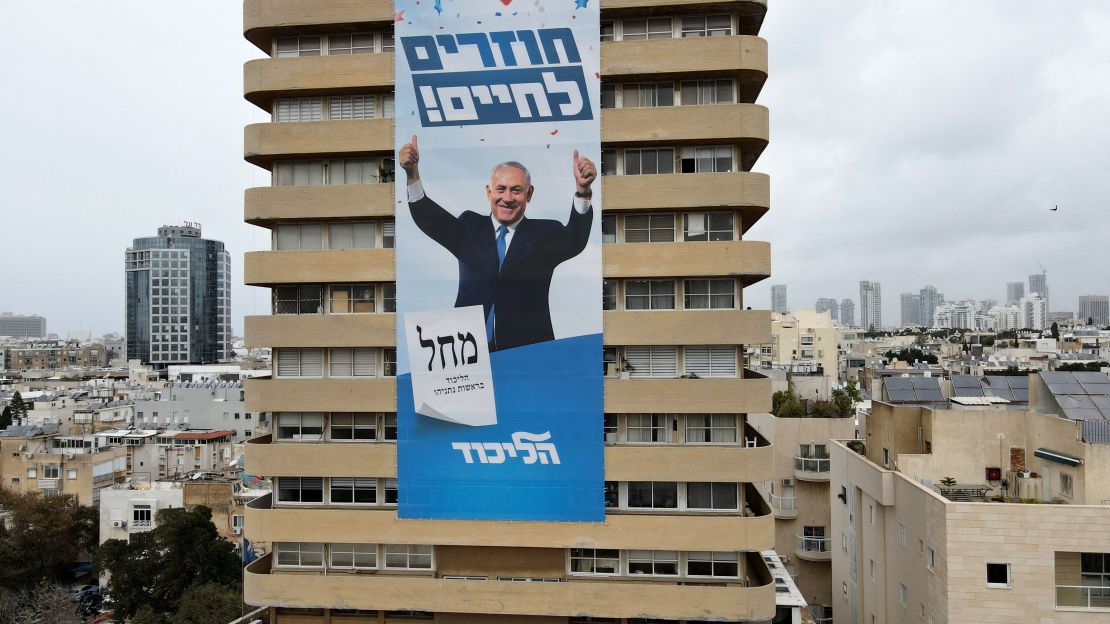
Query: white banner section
[{"x": 449, "y": 357}]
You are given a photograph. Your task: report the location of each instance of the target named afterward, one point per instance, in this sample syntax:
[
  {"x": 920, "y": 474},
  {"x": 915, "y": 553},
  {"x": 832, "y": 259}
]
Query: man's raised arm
[{"x": 430, "y": 217}]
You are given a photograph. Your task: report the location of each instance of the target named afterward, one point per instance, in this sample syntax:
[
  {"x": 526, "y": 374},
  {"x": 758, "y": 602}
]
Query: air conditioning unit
[
  {"x": 788, "y": 482},
  {"x": 236, "y": 530},
  {"x": 28, "y": 455},
  {"x": 119, "y": 524},
  {"x": 785, "y": 559}
]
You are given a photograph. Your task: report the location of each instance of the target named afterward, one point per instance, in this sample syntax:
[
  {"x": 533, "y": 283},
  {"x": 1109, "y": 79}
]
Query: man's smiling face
[{"x": 509, "y": 191}]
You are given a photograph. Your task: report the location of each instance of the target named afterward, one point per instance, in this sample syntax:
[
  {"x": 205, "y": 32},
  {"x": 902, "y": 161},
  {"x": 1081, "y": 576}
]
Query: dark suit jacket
[{"x": 520, "y": 289}]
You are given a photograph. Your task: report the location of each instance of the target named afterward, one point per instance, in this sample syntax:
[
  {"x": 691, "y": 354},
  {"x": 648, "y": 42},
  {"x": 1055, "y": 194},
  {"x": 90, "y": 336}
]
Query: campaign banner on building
[{"x": 498, "y": 248}]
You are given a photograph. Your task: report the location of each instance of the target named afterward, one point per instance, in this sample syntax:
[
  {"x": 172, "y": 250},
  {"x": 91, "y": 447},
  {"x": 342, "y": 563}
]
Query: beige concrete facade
[
  {"x": 32, "y": 466},
  {"x": 475, "y": 565}
]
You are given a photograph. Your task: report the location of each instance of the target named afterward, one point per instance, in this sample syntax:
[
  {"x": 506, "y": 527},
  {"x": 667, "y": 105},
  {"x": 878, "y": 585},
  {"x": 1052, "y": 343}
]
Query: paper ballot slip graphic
[{"x": 449, "y": 359}]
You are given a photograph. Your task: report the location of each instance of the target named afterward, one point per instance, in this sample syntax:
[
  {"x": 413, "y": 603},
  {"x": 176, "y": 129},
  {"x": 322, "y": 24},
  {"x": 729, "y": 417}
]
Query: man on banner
[{"x": 505, "y": 260}]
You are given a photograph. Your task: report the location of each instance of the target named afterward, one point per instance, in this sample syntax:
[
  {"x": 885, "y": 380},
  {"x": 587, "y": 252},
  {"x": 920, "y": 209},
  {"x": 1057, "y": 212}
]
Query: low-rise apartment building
[{"x": 37, "y": 460}]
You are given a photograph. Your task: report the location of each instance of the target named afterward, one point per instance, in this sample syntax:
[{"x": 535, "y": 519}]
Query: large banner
[{"x": 499, "y": 387}]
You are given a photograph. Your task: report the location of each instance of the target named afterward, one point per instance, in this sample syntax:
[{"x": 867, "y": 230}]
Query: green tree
[
  {"x": 47, "y": 534},
  {"x": 1055, "y": 330},
  {"x": 46, "y": 602},
  {"x": 18, "y": 407},
  {"x": 210, "y": 603},
  {"x": 823, "y": 409},
  {"x": 154, "y": 569},
  {"x": 1090, "y": 367},
  {"x": 843, "y": 403},
  {"x": 6, "y": 417},
  {"x": 785, "y": 404},
  {"x": 853, "y": 391},
  {"x": 911, "y": 355}
]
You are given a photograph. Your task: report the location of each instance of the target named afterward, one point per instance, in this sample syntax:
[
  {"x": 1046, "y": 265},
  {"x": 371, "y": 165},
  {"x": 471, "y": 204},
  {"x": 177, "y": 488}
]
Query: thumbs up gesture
[{"x": 409, "y": 158}]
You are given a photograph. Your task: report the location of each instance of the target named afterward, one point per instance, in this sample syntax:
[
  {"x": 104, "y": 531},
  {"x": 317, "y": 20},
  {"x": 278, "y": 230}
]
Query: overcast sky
[{"x": 912, "y": 143}]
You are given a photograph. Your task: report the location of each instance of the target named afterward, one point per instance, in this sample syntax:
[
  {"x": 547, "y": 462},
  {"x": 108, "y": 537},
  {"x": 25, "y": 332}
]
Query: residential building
[
  {"x": 178, "y": 298},
  {"x": 848, "y": 313},
  {"x": 199, "y": 405},
  {"x": 912, "y": 310},
  {"x": 36, "y": 459},
  {"x": 1094, "y": 310},
  {"x": 778, "y": 299},
  {"x": 831, "y": 305},
  {"x": 21, "y": 326},
  {"x": 1034, "y": 312},
  {"x": 870, "y": 305},
  {"x": 803, "y": 342},
  {"x": 1038, "y": 284},
  {"x": 930, "y": 299},
  {"x": 1014, "y": 292},
  {"x": 669, "y": 432},
  {"x": 1005, "y": 318},
  {"x": 56, "y": 354}
]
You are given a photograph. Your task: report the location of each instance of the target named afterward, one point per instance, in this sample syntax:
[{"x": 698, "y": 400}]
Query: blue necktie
[{"x": 501, "y": 232}]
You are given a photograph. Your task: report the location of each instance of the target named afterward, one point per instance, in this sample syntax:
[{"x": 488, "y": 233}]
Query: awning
[{"x": 1059, "y": 458}]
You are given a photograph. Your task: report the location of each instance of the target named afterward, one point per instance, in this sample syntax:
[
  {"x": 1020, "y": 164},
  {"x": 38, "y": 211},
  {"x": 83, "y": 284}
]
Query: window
[
  {"x": 714, "y": 159},
  {"x": 388, "y": 107},
  {"x": 710, "y": 361},
  {"x": 641, "y": 361},
  {"x": 707, "y": 428},
  {"x": 608, "y": 96},
  {"x": 51, "y": 471},
  {"x": 299, "y": 299},
  {"x": 872, "y": 569},
  {"x": 351, "y": 107},
  {"x": 707, "y": 226},
  {"x": 609, "y": 361},
  {"x": 390, "y": 426},
  {"x": 300, "y": 236},
  {"x": 354, "y": 171},
  {"x": 931, "y": 559},
  {"x": 706, "y": 26},
  {"x": 408, "y": 557},
  {"x": 351, "y": 235},
  {"x": 354, "y": 490},
  {"x": 298, "y": 46},
  {"x": 886, "y": 456},
  {"x": 353, "y": 556},
  {"x": 352, "y": 362},
  {"x": 362, "y": 43},
  {"x": 652, "y": 495},
  {"x": 32, "y": 473},
  {"x": 141, "y": 516},
  {"x": 389, "y": 297},
  {"x": 653, "y": 562},
  {"x": 655, "y": 28},
  {"x": 607, "y": 31},
  {"x": 608, "y": 295},
  {"x": 647, "y": 94},
  {"x": 704, "y": 92},
  {"x": 608, "y": 228},
  {"x": 299, "y": 362},
  {"x": 300, "y": 554},
  {"x": 594, "y": 561},
  {"x": 389, "y": 362},
  {"x": 351, "y": 299},
  {"x": 701, "y": 563},
  {"x": 608, "y": 162},
  {"x": 298, "y": 109},
  {"x": 813, "y": 539},
  {"x": 903, "y": 594},
  {"x": 998, "y": 575},
  {"x": 390, "y": 487},
  {"x": 300, "y": 426},
  {"x": 901, "y": 535},
  {"x": 709, "y": 294},
  {"x": 648, "y": 428},
  {"x": 387, "y": 234},
  {"x": 354, "y": 426},
  {"x": 648, "y": 161},
  {"x": 612, "y": 495},
  {"x": 1094, "y": 570},
  {"x": 300, "y": 489},
  {"x": 1066, "y": 484},
  {"x": 649, "y": 295},
  {"x": 298, "y": 173},
  {"x": 71, "y": 474},
  {"x": 712, "y": 496},
  {"x": 610, "y": 427},
  {"x": 653, "y": 228}
]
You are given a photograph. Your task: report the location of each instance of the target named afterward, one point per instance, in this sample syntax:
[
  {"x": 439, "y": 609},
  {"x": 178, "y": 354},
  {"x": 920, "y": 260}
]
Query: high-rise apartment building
[
  {"x": 1014, "y": 292},
  {"x": 1094, "y": 309},
  {"x": 1038, "y": 284},
  {"x": 929, "y": 300},
  {"x": 848, "y": 313},
  {"x": 830, "y": 305},
  {"x": 911, "y": 310},
  {"x": 1034, "y": 311},
  {"x": 178, "y": 298},
  {"x": 778, "y": 299},
  {"x": 870, "y": 305},
  {"x": 683, "y": 521},
  {"x": 20, "y": 326}
]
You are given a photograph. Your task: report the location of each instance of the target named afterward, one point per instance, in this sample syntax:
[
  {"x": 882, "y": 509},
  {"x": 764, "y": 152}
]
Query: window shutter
[
  {"x": 365, "y": 362},
  {"x": 288, "y": 362},
  {"x": 664, "y": 362},
  {"x": 722, "y": 361},
  {"x": 312, "y": 362},
  {"x": 639, "y": 361},
  {"x": 340, "y": 236},
  {"x": 697, "y": 361},
  {"x": 362, "y": 235},
  {"x": 340, "y": 362}
]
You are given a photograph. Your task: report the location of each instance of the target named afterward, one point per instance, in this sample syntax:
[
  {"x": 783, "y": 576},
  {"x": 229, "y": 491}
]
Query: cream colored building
[
  {"x": 336, "y": 561},
  {"x": 803, "y": 340},
  {"x": 799, "y": 496},
  {"x": 907, "y": 548},
  {"x": 36, "y": 460}
]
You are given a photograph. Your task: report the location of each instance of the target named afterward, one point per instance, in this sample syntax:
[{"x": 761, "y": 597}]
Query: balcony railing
[
  {"x": 784, "y": 506},
  {"x": 1095, "y": 598},
  {"x": 812, "y": 548},
  {"x": 812, "y": 464}
]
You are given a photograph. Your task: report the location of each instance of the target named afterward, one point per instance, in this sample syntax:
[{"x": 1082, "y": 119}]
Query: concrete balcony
[
  {"x": 321, "y": 330},
  {"x": 596, "y": 598},
  {"x": 751, "y": 12},
  {"x": 265, "y": 205},
  {"x": 320, "y": 459},
  {"x": 269, "y": 78},
  {"x": 812, "y": 548},
  {"x": 746, "y": 125},
  {"x": 264, "y": 143},
  {"x": 687, "y": 327},
  {"x": 748, "y": 260},
  {"x": 743, "y": 57},
  {"x": 320, "y": 266},
  {"x": 812, "y": 468},
  {"x": 709, "y": 396},
  {"x": 748, "y": 192},
  {"x": 264, "y": 19},
  {"x": 784, "y": 507},
  {"x": 322, "y": 395}
]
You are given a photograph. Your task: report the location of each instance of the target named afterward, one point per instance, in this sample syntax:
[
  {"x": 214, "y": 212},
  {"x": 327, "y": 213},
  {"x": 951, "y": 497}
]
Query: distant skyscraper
[
  {"x": 1014, "y": 292},
  {"x": 848, "y": 313},
  {"x": 1034, "y": 311},
  {"x": 1096, "y": 308},
  {"x": 178, "y": 298},
  {"x": 778, "y": 298},
  {"x": 1038, "y": 283},
  {"x": 929, "y": 300},
  {"x": 825, "y": 303},
  {"x": 870, "y": 305},
  {"x": 911, "y": 310},
  {"x": 19, "y": 326}
]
